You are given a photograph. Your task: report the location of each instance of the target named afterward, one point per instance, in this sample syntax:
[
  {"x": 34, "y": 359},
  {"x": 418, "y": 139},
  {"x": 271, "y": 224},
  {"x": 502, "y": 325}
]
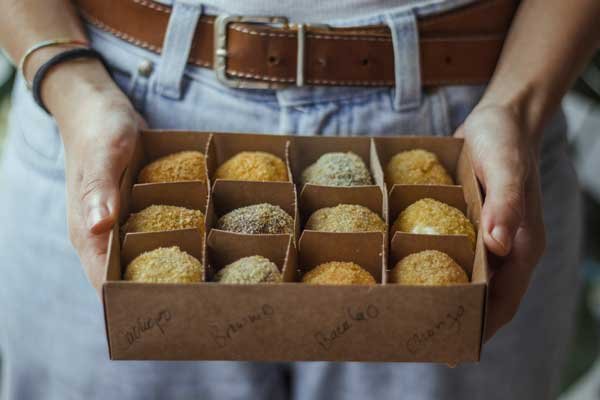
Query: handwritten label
[
  {"x": 147, "y": 324},
  {"x": 450, "y": 325},
  {"x": 352, "y": 316},
  {"x": 223, "y": 336}
]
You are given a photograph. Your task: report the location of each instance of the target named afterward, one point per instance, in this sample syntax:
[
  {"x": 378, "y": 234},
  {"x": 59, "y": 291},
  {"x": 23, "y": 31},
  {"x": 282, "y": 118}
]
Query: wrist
[
  {"x": 68, "y": 84},
  {"x": 530, "y": 103}
]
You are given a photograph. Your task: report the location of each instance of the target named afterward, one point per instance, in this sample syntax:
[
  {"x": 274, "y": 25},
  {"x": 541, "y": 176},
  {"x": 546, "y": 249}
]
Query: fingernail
[
  {"x": 96, "y": 215},
  {"x": 500, "y": 235}
]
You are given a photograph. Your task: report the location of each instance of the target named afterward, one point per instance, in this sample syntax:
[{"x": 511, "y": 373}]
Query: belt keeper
[{"x": 301, "y": 32}]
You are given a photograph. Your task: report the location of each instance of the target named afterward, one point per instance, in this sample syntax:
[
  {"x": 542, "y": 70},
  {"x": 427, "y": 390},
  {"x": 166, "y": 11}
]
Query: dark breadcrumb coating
[
  {"x": 429, "y": 267},
  {"x": 182, "y": 166},
  {"x": 164, "y": 218},
  {"x": 165, "y": 265},
  {"x": 416, "y": 167},
  {"x": 345, "y": 218},
  {"x": 432, "y": 217},
  {"x": 338, "y": 169},
  {"x": 338, "y": 273},
  {"x": 253, "y": 166},
  {"x": 249, "y": 270},
  {"x": 257, "y": 219}
]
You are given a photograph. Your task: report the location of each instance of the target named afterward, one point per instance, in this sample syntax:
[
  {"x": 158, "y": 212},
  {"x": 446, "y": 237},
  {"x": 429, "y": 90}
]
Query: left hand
[{"x": 505, "y": 158}]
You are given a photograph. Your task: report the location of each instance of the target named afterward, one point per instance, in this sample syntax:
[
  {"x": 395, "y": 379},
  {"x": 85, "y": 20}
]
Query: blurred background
[{"x": 581, "y": 378}]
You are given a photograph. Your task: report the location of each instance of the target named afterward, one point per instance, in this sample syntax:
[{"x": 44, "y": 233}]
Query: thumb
[
  {"x": 99, "y": 190},
  {"x": 504, "y": 206}
]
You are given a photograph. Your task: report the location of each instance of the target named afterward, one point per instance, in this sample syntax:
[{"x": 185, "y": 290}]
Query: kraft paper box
[{"x": 292, "y": 321}]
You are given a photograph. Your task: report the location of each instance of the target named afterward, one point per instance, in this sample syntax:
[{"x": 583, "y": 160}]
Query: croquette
[
  {"x": 338, "y": 273},
  {"x": 338, "y": 169},
  {"x": 432, "y": 217},
  {"x": 257, "y": 219},
  {"x": 253, "y": 166},
  {"x": 165, "y": 265},
  {"x": 417, "y": 167},
  {"x": 182, "y": 166},
  {"x": 429, "y": 267},
  {"x": 345, "y": 218},
  {"x": 164, "y": 218},
  {"x": 249, "y": 270}
]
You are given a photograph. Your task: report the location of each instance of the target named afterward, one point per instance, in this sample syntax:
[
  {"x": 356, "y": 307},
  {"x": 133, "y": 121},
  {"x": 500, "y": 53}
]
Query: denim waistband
[{"x": 170, "y": 66}]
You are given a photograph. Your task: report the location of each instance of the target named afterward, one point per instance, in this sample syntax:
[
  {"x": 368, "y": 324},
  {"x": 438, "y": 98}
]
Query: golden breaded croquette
[
  {"x": 164, "y": 218},
  {"x": 257, "y": 219},
  {"x": 249, "y": 270},
  {"x": 253, "y": 166},
  {"x": 338, "y": 273},
  {"x": 345, "y": 218},
  {"x": 338, "y": 169},
  {"x": 431, "y": 217},
  {"x": 164, "y": 265},
  {"x": 429, "y": 267},
  {"x": 416, "y": 167},
  {"x": 181, "y": 166}
]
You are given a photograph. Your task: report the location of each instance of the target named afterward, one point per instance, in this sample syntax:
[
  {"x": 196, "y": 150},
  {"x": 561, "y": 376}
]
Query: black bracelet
[{"x": 81, "y": 52}]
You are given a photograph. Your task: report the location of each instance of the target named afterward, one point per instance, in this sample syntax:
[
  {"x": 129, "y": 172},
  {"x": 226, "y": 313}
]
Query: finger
[
  {"x": 507, "y": 288},
  {"x": 99, "y": 188},
  {"x": 511, "y": 281},
  {"x": 504, "y": 205}
]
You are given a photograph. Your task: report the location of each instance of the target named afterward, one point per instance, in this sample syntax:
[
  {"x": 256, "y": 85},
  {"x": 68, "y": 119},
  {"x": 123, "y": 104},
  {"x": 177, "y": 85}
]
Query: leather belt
[{"x": 461, "y": 46}]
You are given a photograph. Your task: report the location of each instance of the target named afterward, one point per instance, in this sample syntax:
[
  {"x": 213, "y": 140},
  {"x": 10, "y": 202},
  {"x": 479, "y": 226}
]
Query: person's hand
[
  {"x": 505, "y": 157},
  {"x": 99, "y": 128}
]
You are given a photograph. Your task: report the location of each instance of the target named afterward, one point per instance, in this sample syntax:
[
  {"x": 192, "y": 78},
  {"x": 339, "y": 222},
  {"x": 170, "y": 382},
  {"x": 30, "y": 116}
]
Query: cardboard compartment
[
  {"x": 188, "y": 240},
  {"x": 292, "y": 321},
  {"x": 230, "y": 195},
  {"x": 404, "y": 244},
  {"x": 317, "y": 197},
  {"x": 403, "y": 196},
  {"x": 365, "y": 249},
  {"x": 226, "y": 247},
  {"x": 306, "y": 151},
  {"x": 223, "y": 147},
  {"x": 159, "y": 143},
  {"x": 448, "y": 149}
]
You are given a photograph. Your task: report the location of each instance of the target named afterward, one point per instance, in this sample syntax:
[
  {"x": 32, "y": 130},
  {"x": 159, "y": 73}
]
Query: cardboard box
[{"x": 292, "y": 321}]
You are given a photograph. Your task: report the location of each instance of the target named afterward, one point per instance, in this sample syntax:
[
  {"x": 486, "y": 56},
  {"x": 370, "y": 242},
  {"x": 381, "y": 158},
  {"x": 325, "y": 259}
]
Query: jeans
[{"x": 52, "y": 337}]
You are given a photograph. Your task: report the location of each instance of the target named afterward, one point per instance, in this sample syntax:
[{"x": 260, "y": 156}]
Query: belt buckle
[{"x": 220, "y": 56}]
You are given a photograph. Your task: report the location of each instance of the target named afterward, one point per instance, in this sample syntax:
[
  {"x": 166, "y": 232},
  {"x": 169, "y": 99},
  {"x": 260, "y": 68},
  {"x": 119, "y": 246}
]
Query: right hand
[{"x": 99, "y": 128}]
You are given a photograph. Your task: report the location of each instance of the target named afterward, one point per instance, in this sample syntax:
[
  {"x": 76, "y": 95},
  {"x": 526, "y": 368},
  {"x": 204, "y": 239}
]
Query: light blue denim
[{"x": 52, "y": 335}]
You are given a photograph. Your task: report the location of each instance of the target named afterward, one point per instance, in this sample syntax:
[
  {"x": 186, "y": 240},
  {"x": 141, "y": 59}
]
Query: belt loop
[
  {"x": 176, "y": 47},
  {"x": 407, "y": 70}
]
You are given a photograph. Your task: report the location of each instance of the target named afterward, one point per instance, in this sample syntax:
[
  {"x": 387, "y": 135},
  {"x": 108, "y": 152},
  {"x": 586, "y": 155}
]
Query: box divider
[{"x": 188, "y": 194}]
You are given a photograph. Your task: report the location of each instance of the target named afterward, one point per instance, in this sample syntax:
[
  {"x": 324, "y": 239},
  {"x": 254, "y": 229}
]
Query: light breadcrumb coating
[
  {"x": 338, "y": 169},
  {"x": 165, "y": 265},
  {"x": 249, "y": 270},
  {"x": 261, "y": 218},
  {"x": 345, "y": 218},
  {"x": 164, "y": 218},
  {"x": 253, "y": 166},
  {"x": 429, "y": 267},
  {"x": 431, "y": 217},
  {"x": 416, "y": 167},
  {"x": 181, "y": 166},
  {"x": 338, "y": 273}
]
